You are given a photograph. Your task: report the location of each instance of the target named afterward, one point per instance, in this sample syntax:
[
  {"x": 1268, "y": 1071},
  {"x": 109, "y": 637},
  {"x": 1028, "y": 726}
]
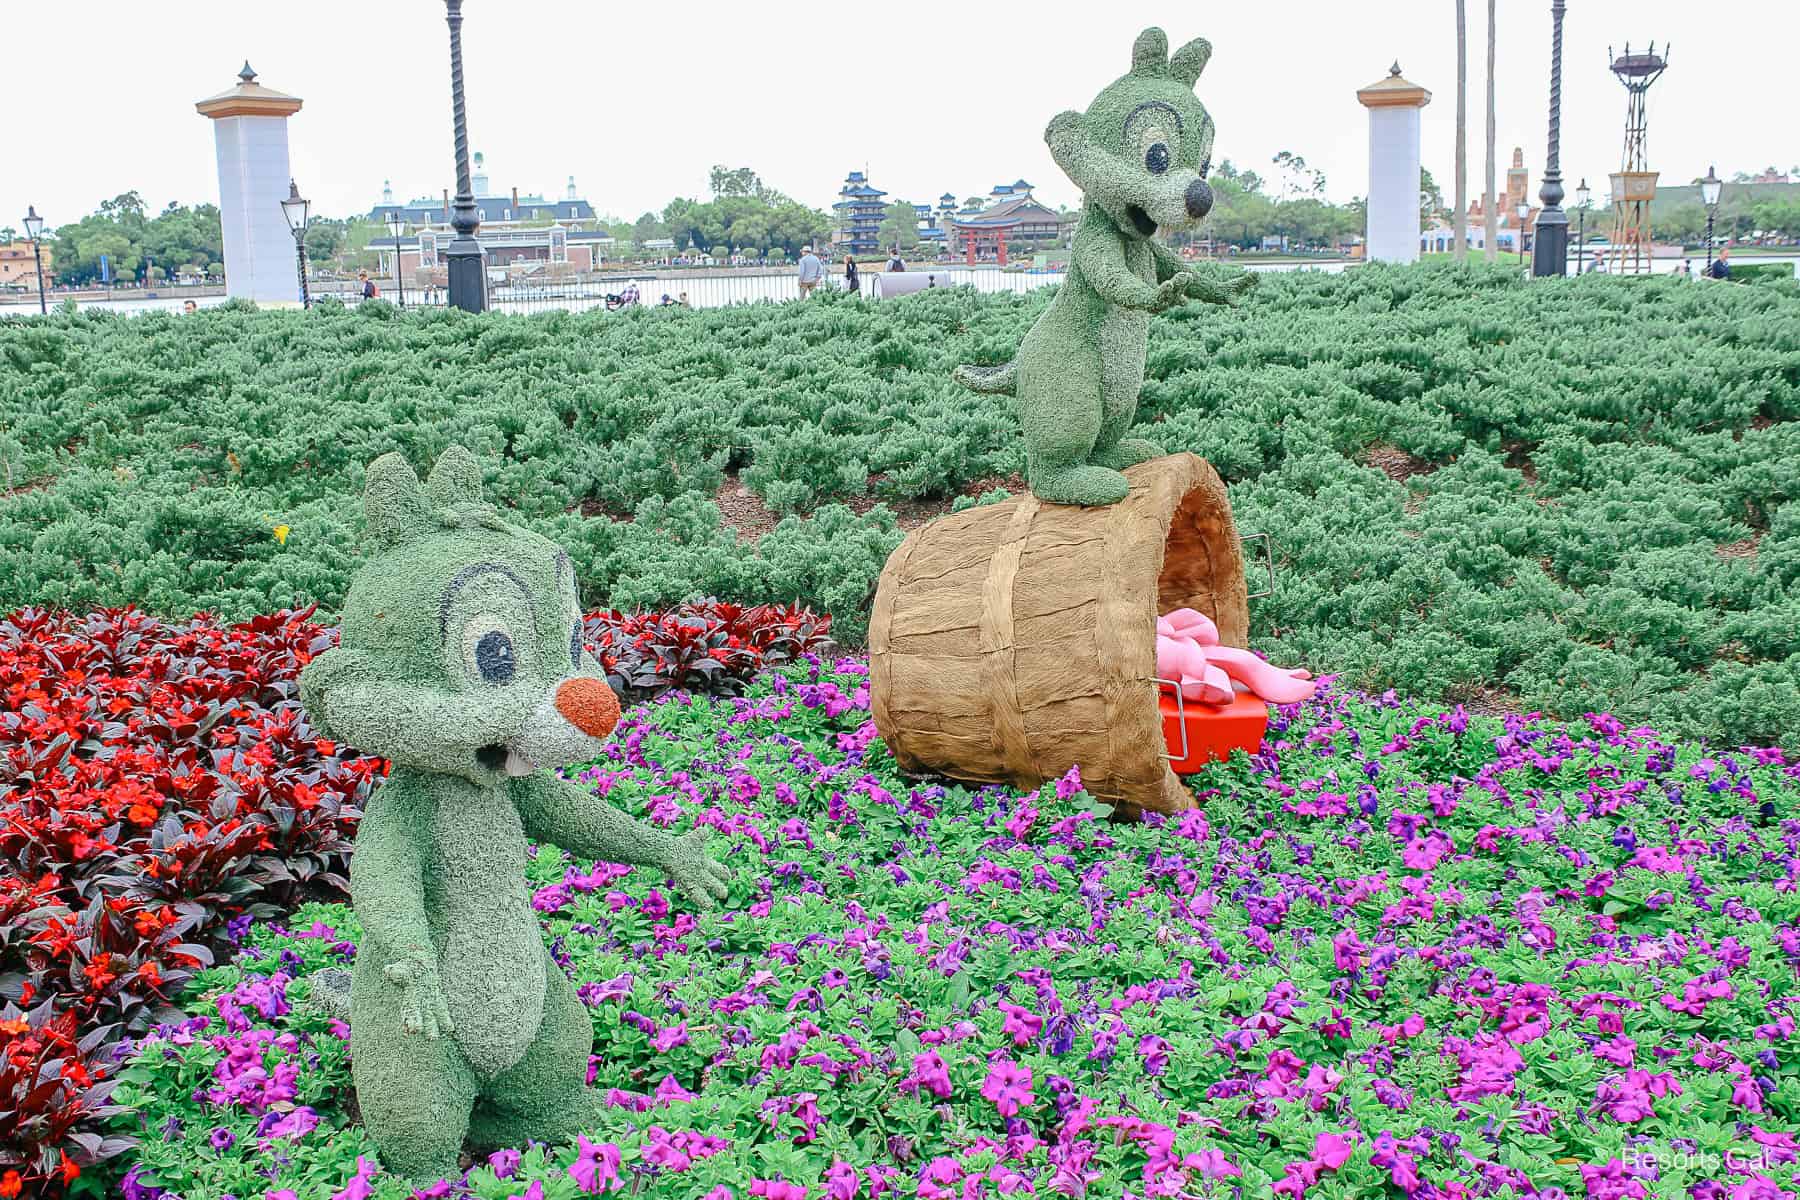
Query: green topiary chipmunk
[
  {"x": 1140, "y": 154},
  {"x": 461, "y": 662}
]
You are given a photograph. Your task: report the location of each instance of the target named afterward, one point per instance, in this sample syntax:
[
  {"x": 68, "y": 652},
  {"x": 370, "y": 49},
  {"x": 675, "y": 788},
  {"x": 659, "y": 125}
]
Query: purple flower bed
[{"x": 1401, "y": 953}]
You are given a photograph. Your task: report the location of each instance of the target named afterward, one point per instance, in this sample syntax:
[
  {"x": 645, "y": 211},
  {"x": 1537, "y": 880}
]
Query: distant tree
[
  {"x": 7, "y": 234},
  {"x": 682, "y": 218},
  {"x": 899, "y": 227},
  {"x": 735, "y": 181},
  {"x": 1682, "y": 223},
  {"x": 1433, "y": 193},
  {"x": 1298, "y": 179},
  {"x": 324, "y": 238},
  {"x": 125, "y": 204},
  {"x": 976, "y": 202},
  {"x": 793, "y": 225},
  {"x": 645, "y": 228}
]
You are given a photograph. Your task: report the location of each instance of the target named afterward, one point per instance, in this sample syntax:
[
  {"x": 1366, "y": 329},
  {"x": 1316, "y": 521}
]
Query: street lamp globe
[
  {"x": 1583, "y": 194},
  {"x": 396, "y": 223},
  {"x": 294, "y": 209},
  {"x": 34, "y": 224},
  {"x": 1710, "y": 187}
]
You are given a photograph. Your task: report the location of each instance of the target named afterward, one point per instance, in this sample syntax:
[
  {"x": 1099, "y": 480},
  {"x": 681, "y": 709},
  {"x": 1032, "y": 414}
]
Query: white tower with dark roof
[{"x": 250, "y": 136}]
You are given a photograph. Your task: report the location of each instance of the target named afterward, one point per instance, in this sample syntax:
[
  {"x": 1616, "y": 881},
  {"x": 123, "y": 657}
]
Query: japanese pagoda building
[
  {"x": 860, "y": 210},
  {"x": 1013, "y": 214}
]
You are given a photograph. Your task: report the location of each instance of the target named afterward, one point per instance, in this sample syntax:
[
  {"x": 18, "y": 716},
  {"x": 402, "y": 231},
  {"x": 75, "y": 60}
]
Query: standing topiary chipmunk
[
  {"x": 461, "y": 662},
  {"x": 1140, "y": 154}
]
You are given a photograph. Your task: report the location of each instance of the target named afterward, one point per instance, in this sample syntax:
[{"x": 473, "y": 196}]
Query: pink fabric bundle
[{"x": 1188, "y": 651}]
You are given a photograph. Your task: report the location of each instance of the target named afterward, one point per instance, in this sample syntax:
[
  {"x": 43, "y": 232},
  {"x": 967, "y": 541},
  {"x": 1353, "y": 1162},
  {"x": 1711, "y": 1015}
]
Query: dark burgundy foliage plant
[
  {"x": 159, "y": 780},
  {"x": 709, "y": 646}
]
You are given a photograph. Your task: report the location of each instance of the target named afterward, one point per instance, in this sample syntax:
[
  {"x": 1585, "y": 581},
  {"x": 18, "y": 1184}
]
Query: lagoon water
[
  {"x": 703, "y": 291},
  {"x": 714, "y": 290}
]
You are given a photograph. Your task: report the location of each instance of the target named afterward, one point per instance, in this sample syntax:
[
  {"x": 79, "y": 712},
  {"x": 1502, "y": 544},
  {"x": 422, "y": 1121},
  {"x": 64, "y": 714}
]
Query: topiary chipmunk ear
[
  {"x": 456, "y": 479},
  {"x": 1189, "y": 61},
  {"x": 1150, "y": 53},
  {"x": 393, "y": 503}
]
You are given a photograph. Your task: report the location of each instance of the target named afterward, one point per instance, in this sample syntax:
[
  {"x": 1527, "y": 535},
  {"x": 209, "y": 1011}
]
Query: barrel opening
[{"x": 1203, "y": 565}]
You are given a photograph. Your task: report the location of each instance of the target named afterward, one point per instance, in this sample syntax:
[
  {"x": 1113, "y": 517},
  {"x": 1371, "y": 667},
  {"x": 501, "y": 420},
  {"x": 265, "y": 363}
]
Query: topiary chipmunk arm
[
  {"x": 1200, "y": 287},
  {"x": 557, "y": 811},
  {"x": 1101, "y": 259},
  {"x": 388, "y": 892}
]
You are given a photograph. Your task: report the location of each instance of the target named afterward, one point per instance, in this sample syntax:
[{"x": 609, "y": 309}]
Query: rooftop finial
[
  {"x": 1394, "y": 71},
  {"x": 247, "y": 75}
]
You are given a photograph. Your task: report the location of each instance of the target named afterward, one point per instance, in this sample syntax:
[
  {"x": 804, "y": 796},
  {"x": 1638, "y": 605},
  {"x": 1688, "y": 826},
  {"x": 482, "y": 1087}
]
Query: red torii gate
[{"x": 969, "y": 236}]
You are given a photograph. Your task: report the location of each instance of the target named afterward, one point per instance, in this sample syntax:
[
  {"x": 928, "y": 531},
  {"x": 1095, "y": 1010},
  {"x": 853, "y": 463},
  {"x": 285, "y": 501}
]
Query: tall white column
[
  {"x": 1394, "y": 107},
  {"x": 250, "y": 135}
]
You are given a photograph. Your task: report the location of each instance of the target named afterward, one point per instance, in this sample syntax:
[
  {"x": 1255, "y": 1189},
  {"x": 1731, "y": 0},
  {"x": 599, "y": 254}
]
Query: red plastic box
[{"x": 1212, "y": 733}]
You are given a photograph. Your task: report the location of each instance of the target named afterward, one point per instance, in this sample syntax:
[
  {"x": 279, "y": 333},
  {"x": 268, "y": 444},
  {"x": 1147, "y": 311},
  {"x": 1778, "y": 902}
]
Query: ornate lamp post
[
  {"x": 1710, "y": 187},
  {"x": 34, "y": 229},
  {"x": 467, "y": 263},
  {"x": 1552, "y": 252},
  {"x": 294, "y": 208},
  {"x": 396, "y": 223},
  {"x": 1583, "y": 194},
  {"x": 1524, "y": 214}
]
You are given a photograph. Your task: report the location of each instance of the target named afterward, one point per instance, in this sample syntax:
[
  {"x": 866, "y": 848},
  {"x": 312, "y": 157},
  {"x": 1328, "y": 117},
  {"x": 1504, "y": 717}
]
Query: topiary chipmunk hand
[
  {"x": 461, "y": 661},
  {"x": 422, "y": 1009},
  {"x": 703, "y": 880}
]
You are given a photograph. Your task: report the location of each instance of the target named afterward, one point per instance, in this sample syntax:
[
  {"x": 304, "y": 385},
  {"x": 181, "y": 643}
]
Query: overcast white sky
[{"x": 637, "y": 100}]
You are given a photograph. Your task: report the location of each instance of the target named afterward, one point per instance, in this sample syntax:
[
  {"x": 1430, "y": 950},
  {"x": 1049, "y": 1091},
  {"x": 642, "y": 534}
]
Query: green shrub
[{"x": 1473, "y": 480}]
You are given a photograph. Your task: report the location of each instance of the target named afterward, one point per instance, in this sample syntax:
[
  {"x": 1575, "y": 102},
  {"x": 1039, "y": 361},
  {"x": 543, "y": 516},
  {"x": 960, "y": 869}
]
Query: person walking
[
  {"x": 1721, "y": 268},
  {"x": 852, "y": 284},
  {"x": 811, "y": 271},
  {"x": 368, "y": 288},
  {"x": 895, "y": 265}
]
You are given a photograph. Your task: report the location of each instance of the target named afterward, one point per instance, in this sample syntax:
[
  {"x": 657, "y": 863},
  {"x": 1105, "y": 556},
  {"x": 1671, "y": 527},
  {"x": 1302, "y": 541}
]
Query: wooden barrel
[{"x": 1012, "y": 641}]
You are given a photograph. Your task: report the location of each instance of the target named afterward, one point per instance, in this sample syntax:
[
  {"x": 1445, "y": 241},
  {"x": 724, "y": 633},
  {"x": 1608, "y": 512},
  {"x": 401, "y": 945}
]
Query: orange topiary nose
[{"x": 589, "y": 705}]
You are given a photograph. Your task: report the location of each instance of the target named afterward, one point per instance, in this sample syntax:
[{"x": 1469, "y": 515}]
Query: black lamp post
[
  {"x": 294, "y": 208},
  {"x": 1552, "y": 253},
  {"x": 1524, "y": 214},
  {"x": 467, "y": 263},
  {"x": 1583, "y": 194},
  {"x": 1710, "y": 187},
  {"x": 34, "y": 229},
  {"x": 396, "y": 222}
]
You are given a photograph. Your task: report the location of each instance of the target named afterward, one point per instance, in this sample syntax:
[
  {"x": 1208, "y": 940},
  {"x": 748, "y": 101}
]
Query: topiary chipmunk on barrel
[
  {"x": 1140, "y": 154},
  {"x": 461, "y": 662}
]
